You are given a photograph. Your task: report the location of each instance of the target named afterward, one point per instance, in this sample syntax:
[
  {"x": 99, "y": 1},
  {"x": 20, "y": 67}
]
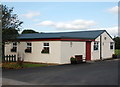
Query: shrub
[
  {"x": 114, "y": 56},
  {"x": 73, "y": 60},
  {"x": 117, "y": 51}
]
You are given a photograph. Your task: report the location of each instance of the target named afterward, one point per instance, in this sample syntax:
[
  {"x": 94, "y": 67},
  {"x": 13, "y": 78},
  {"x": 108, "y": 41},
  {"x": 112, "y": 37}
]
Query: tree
[
  {"x": 117, "y": 42},
  {"x": 29, "y": 31},
  {"x": 10, "y": 24}
]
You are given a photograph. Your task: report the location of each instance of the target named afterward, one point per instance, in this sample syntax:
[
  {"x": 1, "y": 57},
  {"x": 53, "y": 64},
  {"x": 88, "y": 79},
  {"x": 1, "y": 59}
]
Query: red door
[{"x": 88, "y": 50}]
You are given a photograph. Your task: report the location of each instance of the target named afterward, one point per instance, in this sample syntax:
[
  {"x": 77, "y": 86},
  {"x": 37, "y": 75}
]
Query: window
[
  {"x": 105, "y": 38},
  {"x": 111, "y": 45},
  {"x": 45, "y": 48},
  {"x": 96, "y": 45},
  {"x": 29, "y": 47},
  {"x": 14, "y": 48},
  {"x": 46, "y": 44}
]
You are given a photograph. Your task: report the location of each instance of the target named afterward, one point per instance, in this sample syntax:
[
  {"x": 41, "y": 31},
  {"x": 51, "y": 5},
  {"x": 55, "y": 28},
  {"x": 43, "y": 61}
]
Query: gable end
[{"x": 106, "y": 32}]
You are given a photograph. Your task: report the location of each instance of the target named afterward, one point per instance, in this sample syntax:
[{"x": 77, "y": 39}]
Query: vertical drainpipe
[{"x": 100, "y": 47}]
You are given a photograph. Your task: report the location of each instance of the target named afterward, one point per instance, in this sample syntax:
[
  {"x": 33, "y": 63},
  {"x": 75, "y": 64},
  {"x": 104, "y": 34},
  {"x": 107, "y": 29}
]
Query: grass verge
[{"x": 117, "y": 51}]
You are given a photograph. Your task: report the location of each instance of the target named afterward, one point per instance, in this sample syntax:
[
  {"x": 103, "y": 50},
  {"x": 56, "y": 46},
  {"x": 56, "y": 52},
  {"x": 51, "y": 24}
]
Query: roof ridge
[{"x": 66, "y": 32}]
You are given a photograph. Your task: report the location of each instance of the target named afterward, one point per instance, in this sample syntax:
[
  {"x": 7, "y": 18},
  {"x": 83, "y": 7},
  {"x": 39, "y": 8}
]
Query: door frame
[{"x": 88, "y": 50}]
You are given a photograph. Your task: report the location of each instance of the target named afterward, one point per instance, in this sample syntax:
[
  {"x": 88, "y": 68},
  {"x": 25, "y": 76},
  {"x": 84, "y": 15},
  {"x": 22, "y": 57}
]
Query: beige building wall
[
  {"x": 95, "y": 54},
  {"x": 8, "y": 47},
  {"x": 36, "y": 55},
  {"x": 60, "y": 51},
  {"x": 72, "y": 48},
  {"x": 106, "y": 51},
  {"x": 21, "y": 49}
]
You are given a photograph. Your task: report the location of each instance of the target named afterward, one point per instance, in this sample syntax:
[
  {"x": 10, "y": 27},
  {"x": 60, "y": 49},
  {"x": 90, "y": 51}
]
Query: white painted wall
[
  {"x": 8, "y": 48},
  {"x": 36, "y": 55},
  {"x": 60, "y": 51},
  {"x": 78, "y": 48},
  {"x": 21, "y": 49},
  {"x": 106, "y": 51},
  {"x": 95, "y": 54}
]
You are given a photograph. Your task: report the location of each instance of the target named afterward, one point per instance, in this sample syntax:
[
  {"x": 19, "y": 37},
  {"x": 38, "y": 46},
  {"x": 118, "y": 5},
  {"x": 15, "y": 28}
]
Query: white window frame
[
  {"x": 46, "y": 45},
  {"x": 14, "y": 47},
  {"x": 96, "y": 44},
  {"x": 111, "y": 44},
  {"x": 29, "y": 46}
]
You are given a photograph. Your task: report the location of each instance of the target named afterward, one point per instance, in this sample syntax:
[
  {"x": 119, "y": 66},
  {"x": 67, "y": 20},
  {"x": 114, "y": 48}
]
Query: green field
[{"x": 117, "y": 51}]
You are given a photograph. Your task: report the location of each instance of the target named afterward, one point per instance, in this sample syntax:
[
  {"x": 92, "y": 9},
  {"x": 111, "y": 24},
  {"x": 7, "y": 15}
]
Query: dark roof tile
[{"x": 78, "y": 34}]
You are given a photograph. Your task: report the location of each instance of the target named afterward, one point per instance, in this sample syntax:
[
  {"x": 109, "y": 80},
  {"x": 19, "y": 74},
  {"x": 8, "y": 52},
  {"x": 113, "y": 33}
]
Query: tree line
[{"x": 117, "y": 42}]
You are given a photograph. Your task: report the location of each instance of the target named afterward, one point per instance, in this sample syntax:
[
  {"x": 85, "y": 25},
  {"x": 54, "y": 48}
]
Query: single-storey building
[{"x": 59, "y": 47}]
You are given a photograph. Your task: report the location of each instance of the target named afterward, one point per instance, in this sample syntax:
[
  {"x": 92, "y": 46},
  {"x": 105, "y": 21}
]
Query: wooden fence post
[
  {"x": 15, "y": 59},
  {"x": 9, "y": 58}
]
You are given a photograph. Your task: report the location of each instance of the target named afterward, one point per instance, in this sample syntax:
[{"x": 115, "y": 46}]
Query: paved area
[
  {"x": 13, "y": 82},
  {"x": 94, "y": 73}
]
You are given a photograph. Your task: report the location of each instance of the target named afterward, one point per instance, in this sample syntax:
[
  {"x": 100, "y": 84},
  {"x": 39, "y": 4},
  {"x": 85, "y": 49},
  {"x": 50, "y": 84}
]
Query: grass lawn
[
  {"x": 117, "y": 51},
  {"x": 33, "y": 65},
  {"x": 15, "y": 65}
]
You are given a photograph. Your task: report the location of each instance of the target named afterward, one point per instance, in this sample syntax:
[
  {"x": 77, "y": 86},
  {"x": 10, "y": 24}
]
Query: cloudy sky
[{"x": 67, "y": 16}]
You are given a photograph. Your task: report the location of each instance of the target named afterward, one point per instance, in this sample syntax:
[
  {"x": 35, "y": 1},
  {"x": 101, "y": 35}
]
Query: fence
[{"x": 9, "y": 58}]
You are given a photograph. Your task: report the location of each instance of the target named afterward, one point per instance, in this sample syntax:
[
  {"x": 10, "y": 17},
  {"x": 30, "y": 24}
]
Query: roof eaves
[{"x": 75, "y": 38}]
